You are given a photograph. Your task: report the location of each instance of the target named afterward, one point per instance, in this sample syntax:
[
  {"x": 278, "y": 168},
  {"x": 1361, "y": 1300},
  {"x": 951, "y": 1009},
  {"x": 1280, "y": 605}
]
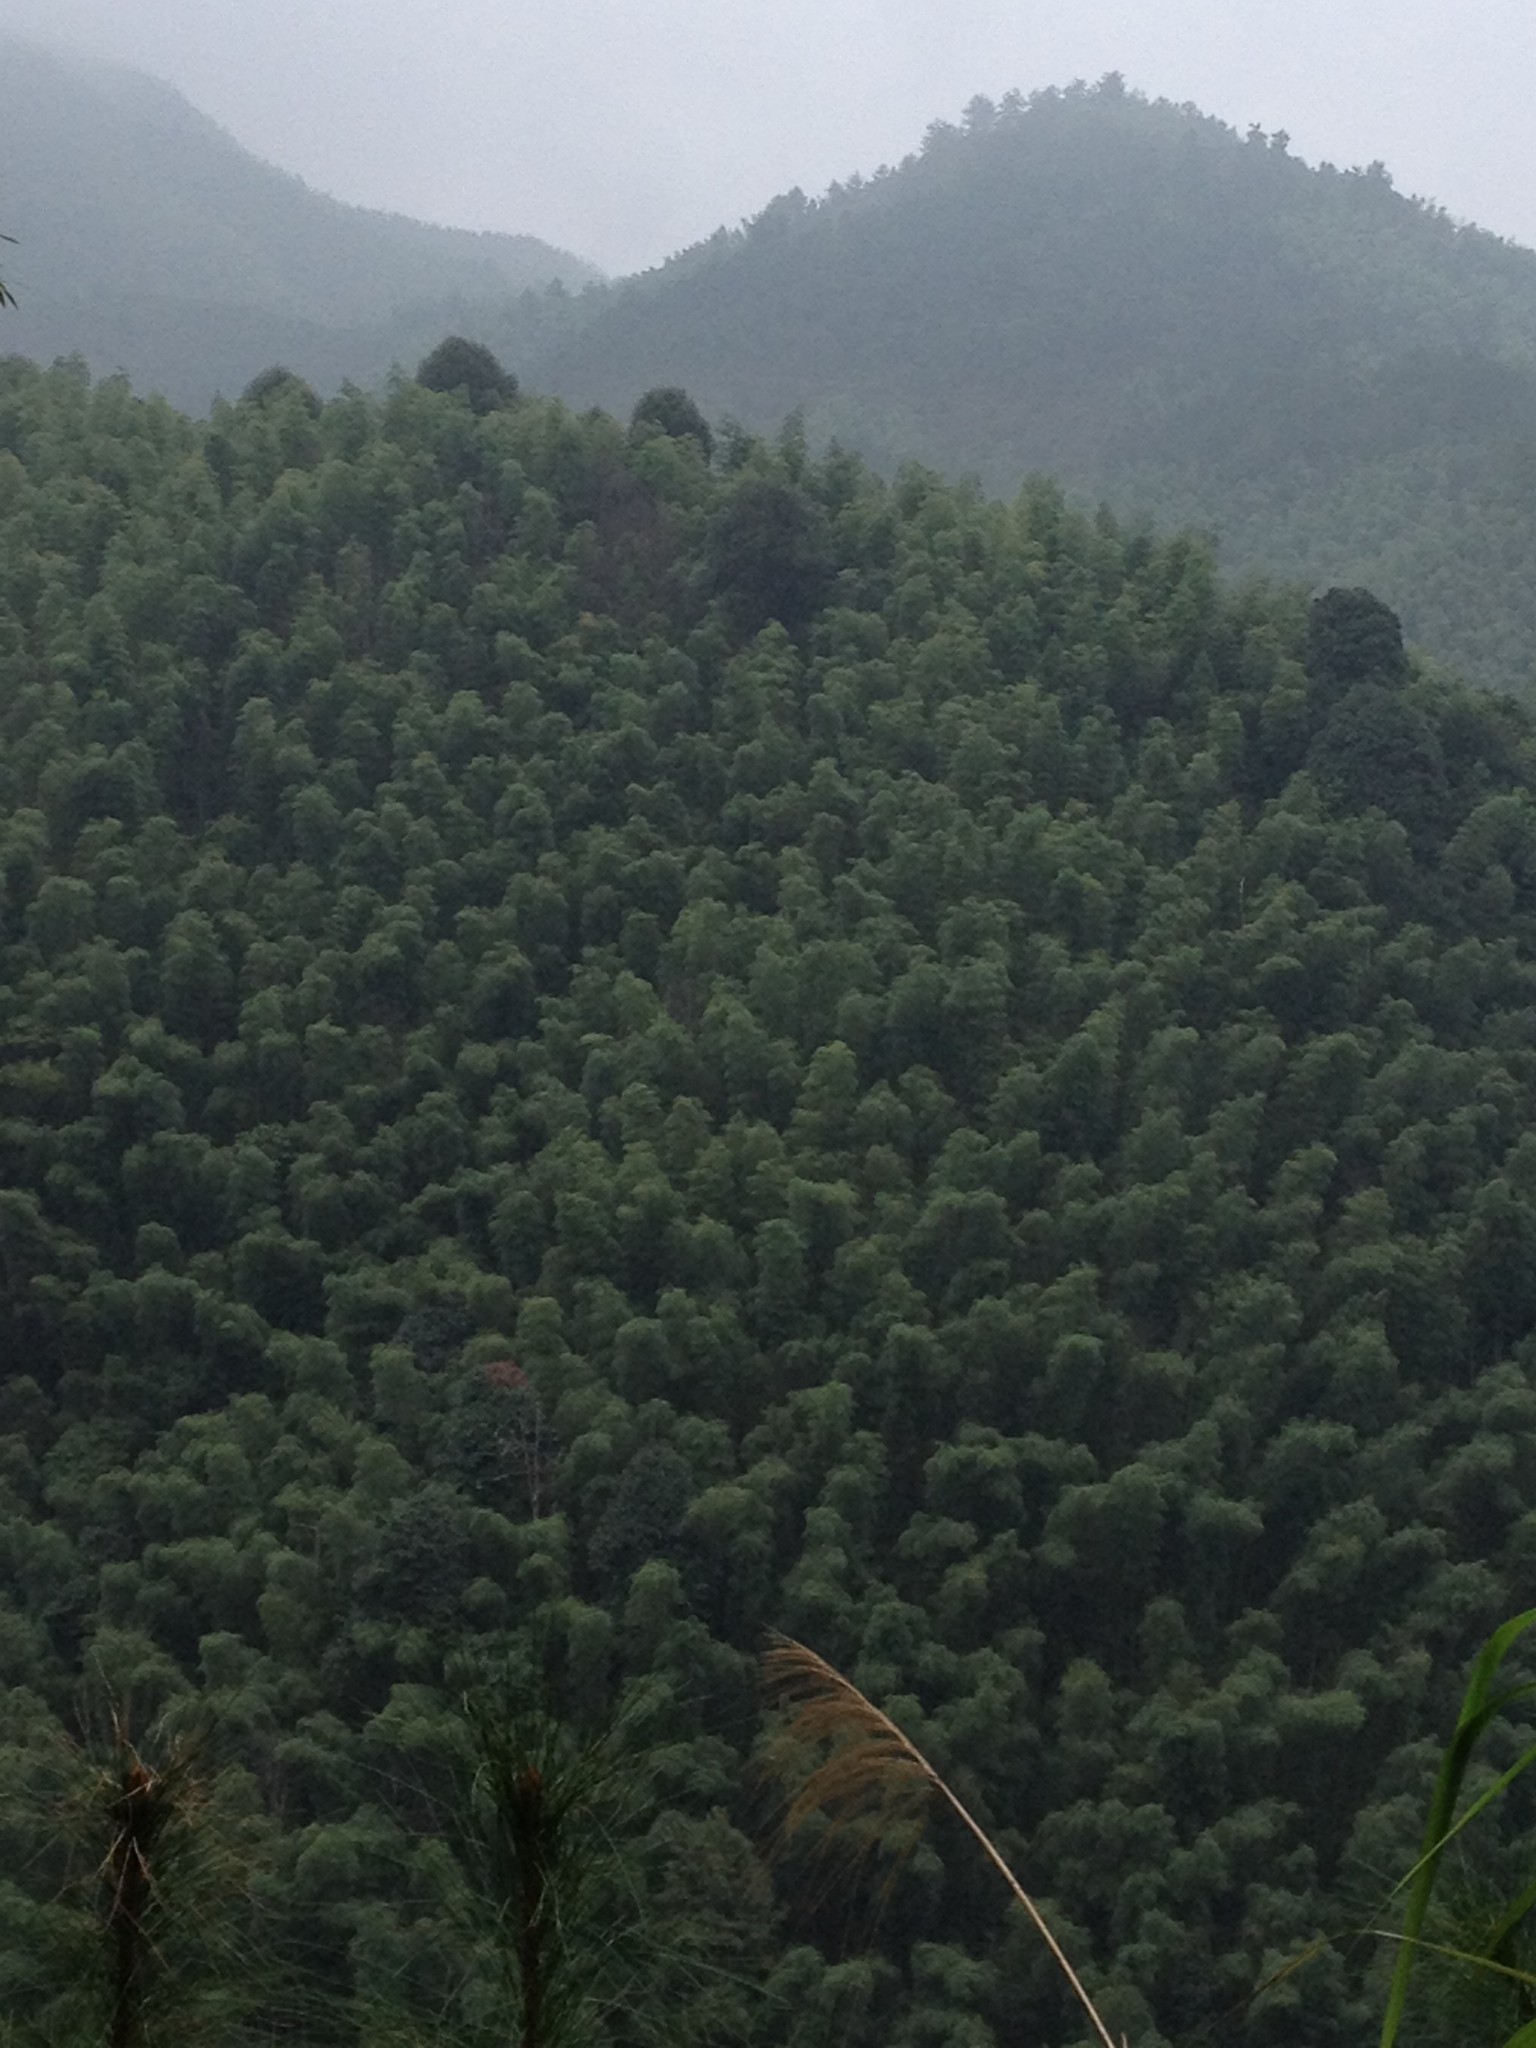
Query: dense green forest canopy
[
  {"x": 151, "y": 243},
  {"x": 1134, "y": 297},
  {"x": 603, "y": 1047}
]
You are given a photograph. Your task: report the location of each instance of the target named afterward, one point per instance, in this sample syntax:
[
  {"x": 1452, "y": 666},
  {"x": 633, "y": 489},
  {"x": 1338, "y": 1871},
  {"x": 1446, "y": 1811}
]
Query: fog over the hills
[{"x": 625, "y": 132}]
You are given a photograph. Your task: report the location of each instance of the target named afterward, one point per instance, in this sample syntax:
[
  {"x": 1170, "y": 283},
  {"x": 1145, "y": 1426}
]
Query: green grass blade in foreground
[
  {"x": 1516, "y": 1913},
  {"x": 1452, "y": 1954},
  {"x": 1478, "y": 1708},
  {"x": 1484, "y": 1799}
]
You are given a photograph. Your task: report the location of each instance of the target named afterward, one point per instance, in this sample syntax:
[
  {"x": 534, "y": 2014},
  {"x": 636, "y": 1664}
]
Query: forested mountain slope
[
  {"x": 598, "y": 1053},
  {"x": 150, "y": 242},
  {"x": 1135, "y": 298},
  {"x": 1337, "y": 380}
]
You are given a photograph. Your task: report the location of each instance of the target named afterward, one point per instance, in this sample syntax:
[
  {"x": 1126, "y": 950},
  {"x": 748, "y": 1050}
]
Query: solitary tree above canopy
[
  {"x": 278, "y": 378},
  {"x": 669, "y": 410},
  {"x": 1352, "y": 637},
  {"x": 467, "y": 367}
]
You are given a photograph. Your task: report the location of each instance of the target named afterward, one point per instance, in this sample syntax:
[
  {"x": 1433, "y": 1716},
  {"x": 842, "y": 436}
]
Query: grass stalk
[{"x": 874, "y": 1759}]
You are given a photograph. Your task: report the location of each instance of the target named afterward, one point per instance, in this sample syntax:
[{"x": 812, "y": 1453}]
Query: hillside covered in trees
[
  {"x": 1334, "y": 379},
  {"x": 149, "y": 242},
  {"x": 1337, "y": 381},
  {"x": 1133, "y": 297},
  {"x": 607, "y": 1043}
]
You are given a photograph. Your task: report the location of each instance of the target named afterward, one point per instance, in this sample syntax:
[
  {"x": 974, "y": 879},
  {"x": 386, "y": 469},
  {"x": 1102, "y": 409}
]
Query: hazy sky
[{"x": 626, "y": 128}]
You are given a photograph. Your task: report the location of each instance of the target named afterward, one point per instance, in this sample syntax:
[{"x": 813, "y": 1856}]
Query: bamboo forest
[{"x": 623, "y": 1039}]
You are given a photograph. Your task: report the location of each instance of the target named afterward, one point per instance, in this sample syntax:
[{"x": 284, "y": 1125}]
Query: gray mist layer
[
  {"x": 625, "y": 132},
  {"x": 147, "y": 240}
]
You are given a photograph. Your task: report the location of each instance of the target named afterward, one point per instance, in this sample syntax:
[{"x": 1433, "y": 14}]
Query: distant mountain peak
[{"x": 1129, "y": 294}]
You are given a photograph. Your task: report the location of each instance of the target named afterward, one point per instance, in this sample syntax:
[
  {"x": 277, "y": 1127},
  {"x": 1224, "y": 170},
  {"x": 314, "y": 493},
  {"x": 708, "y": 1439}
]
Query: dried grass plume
[{"x": 871, "y": 1763}]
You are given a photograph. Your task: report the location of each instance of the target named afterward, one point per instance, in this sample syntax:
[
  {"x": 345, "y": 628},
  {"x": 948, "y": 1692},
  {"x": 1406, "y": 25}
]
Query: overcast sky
[{"x": 624, "y": 129}]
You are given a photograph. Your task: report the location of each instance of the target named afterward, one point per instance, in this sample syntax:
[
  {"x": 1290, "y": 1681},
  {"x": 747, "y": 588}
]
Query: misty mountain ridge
[
  {"x": 1127, "y": 294},
  {"x": 150, "y": 241},
  {"x": 1132, "y": 296}
]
